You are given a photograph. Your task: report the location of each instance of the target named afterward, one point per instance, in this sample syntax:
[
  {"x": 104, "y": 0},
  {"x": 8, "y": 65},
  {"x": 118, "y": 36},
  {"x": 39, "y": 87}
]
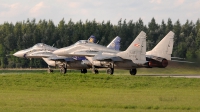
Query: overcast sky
[{"x": 113, "y": 10}]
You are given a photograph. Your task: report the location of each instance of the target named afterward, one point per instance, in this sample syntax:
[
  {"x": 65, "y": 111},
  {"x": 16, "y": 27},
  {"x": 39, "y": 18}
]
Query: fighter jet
[
  {"x": 99, "y": 56},
  {"x": 44, "y": 51}
]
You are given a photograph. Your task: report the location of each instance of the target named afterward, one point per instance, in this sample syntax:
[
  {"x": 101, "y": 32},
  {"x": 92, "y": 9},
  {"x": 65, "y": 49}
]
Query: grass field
[{"x": 22, "y": 91}]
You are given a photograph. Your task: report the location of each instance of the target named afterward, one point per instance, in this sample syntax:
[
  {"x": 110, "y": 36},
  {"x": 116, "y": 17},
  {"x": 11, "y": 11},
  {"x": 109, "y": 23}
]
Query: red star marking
[{"x": 137, "y": 45}]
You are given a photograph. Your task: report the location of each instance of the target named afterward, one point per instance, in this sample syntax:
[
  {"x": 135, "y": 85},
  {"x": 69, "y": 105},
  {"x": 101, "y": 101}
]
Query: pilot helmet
[{"x": 92, "y": 39}]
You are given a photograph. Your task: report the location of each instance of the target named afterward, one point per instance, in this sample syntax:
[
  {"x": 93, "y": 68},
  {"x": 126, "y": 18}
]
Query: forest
[{"x": 25, "y": 34}]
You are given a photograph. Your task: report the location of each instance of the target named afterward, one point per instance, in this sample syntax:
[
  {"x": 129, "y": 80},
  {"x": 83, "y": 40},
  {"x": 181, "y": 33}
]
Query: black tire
[
  {"x": 84, "y": 71},
  {"x": 110, "y": 71},
  {"x": 63, "y": 70},
  {"x": 81, "y": 70},
  {"x": 133, "y": 71},
  {"x": 96, "y": 71}
]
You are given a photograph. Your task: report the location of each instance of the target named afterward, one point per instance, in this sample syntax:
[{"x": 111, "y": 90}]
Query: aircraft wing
[
  {"x": 107, "y": 56},
  {"x": 61, "y": 58},
  {"x": 86, "y": 53}
]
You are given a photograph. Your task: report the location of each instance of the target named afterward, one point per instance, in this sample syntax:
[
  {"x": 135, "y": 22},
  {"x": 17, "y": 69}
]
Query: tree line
[{"x": 25, "y": 34}]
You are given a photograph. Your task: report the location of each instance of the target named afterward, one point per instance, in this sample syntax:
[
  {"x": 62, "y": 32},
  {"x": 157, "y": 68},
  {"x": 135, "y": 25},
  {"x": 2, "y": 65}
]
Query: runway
[
  {"x": 187, "y": 76},
  {"x": 27, "y": 71},
  {"x": 175, "y": 76}
]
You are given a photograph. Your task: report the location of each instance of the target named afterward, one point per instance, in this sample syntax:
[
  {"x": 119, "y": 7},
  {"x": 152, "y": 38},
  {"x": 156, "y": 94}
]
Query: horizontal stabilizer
[
  {"x": 177, "y": 58},
  {"x": 182, "y": 61},
  {"x": 105, "y": 56},
  {"x": 61, "y": 59}
]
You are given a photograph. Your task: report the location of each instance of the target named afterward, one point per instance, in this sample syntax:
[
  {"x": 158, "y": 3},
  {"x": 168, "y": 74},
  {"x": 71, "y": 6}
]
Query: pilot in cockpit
[{"x": 92, "y": 39}]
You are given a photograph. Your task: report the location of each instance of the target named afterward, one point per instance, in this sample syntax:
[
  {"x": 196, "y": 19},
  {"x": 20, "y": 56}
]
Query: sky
[{"x": 99, "y": 10}]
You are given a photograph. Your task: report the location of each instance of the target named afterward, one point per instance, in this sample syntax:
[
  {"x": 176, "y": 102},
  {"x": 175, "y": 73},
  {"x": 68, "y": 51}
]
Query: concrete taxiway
[{"x": 187, "y": 76}]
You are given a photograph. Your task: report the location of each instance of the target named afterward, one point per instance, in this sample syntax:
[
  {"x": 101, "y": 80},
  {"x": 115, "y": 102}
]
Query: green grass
[
  {"x": 89, "y": 92},
  {"x": 21, "y": 71}
]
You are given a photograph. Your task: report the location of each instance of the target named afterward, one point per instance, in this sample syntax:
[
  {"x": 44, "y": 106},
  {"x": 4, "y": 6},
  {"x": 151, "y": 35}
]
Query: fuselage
[{"x": 82, "y": 48}]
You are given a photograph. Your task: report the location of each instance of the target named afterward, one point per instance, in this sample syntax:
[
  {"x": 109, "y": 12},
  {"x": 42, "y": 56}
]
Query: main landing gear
[
  {"x": 110, "y": 70},
  {"x": 63, "y": 69},
  {"x": 49, "y": 70},
  {"x": 133, "y": 71},
  {"x": 94, "y": 70}
]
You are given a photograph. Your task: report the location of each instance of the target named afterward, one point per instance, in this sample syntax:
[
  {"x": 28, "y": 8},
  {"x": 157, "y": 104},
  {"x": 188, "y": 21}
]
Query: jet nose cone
[
  {"x": 59, "y": 52},
  {"x": 19, "y": 54}
]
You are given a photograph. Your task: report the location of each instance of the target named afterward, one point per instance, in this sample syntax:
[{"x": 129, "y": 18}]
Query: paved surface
[
  {"x": 175, "y": 75},
  {"x": 187, "y": 76}
]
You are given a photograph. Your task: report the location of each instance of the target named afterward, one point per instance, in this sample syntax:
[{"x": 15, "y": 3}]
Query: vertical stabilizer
[
  {"x": 164, "y": 47},
  {"x": 115, "y": 43},
  {"x": 137, "y": 50}
]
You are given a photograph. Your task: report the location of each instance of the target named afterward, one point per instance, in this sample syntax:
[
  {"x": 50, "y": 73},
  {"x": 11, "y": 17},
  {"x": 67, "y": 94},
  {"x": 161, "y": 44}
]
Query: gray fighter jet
[
  {"x": 44, "y": 51},
  {"x": 99, "y": 56}
]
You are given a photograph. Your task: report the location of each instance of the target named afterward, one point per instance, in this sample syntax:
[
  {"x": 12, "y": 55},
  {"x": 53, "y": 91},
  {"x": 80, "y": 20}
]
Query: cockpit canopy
[
  {"x": 40, "y": 46},
  {"x": 81, "y": 41}
]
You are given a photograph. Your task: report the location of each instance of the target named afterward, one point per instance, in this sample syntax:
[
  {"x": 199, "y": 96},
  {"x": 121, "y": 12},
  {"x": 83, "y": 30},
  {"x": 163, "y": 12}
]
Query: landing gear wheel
[
  {"x": 63, "y": 70},
  {"x": 49, "y": 70},
  {"x": 110, "y": 71},
  {"x": 96, "y": 71},
  {"x": 133, "y": 71},
  {"x": 84, "y": 71}
]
